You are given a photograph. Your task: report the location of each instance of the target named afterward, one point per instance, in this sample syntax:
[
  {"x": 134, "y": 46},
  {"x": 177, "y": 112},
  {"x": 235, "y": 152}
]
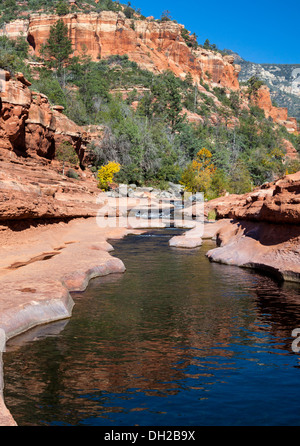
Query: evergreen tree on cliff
[
  {"x": 164, "y": 101},
  {"x": 62, "y": 8},
  {"x": 58, "y": 47}
]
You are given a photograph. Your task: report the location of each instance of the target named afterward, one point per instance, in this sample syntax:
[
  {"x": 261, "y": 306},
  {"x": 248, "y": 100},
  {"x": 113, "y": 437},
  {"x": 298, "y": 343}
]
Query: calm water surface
[{"x": 176, "y": 340}]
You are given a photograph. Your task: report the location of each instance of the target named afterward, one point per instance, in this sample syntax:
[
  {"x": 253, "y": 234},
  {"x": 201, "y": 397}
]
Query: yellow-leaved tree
[
  {"x": 106, "y": 174},
  {"x": 197, "y": 176}
]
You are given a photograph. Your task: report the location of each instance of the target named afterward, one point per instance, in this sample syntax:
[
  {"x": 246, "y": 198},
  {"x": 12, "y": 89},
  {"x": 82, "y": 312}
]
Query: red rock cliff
[
  {"x": 264, "y": 230},
  {"x": 276, "y": 202},
  {"x": 279, "y": 114},
  {"x": 30, "y": 126},
  {"x": 155, "y": 46},
  {"x": 31, "y": 184}
]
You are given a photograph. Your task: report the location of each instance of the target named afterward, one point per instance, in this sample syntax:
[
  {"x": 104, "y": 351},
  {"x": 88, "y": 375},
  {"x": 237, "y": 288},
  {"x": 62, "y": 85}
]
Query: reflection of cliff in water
[
  {"x": 174, "y": 324},
  {"x": 278, "y": 306}
]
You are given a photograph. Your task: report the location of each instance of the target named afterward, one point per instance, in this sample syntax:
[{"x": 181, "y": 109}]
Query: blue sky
[{"x": 260, "y": 31}]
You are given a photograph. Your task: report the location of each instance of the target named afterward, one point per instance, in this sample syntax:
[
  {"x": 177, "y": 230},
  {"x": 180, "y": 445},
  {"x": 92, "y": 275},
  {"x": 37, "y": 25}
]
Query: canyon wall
[
  {"x": 30, "y": 126},
  {"x": 263, "y": 100},
  {"x": 154, "y": 46},
  {"x": 32, "y": 186},
  {"x": 261, "y": 229}
]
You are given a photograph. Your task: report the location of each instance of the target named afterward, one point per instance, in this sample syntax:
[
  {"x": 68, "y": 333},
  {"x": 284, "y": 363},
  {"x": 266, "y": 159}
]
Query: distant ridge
[{"x": 280, "y": 78}]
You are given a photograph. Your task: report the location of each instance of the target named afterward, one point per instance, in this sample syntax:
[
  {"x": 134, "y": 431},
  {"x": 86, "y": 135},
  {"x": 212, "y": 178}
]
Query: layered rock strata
[
  {"x": 35, "y": 189},
  {"x": 264, "y": 229},
  {"x": 155, "y": 46},
  {"x": 276, "y": 202},
  {"x": 279, "y": 115},
  {"x": 30, "y": 126}
]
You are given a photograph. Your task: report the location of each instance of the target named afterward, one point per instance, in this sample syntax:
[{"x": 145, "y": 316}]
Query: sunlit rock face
[
  {"x": 155, "y": 46},
  {"x": 29, "y": 125},
  {"x": 276, "y": 202},
  {"x": 264, "y": 230},
  {"x": 279, "y": 115},
  {"x": 31, "y": 181}
]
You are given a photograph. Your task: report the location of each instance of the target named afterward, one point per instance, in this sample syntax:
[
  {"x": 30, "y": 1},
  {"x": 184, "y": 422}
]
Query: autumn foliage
[
  {"x": 198, "y": 174},
  {"x": 106, "y": 174}
]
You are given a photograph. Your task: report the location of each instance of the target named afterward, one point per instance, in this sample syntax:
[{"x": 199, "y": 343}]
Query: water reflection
[{"x": 175, "y": 340}]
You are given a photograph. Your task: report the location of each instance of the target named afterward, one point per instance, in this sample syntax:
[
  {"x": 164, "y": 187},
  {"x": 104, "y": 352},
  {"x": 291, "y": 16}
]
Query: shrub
[
  {"x": 65, "y": 152},
  {"x": 292, "y": 166},
  {"x": 190, "y": 40},
  {"x": 240, "y": 179},
  {"x": 166, "y": 16},
  {"x": 129, "y": 12},
  {"x": 72, "y": 174},
  {"x": 212, "y": 215},
  {"x": 13, "y": 53},
  {"x": 219, "y": 184},
  {"x": 254, "y": 84},
  {"x": 62, "y": 8},
  {"x": 106, "y": 174}
]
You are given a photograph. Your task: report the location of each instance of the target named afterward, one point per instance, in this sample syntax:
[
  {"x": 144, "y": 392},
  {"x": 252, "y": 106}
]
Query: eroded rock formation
[
  {"x": 35, "y": 189},
  {"x": 262, "y": 98},
  {"x": 263, "y": 230},
  {"x": 276, "y": 202},
  {"x": 31, "y": 182},
  {"x": 155, "y": 46},
  {"x": 29, "y": 125}
]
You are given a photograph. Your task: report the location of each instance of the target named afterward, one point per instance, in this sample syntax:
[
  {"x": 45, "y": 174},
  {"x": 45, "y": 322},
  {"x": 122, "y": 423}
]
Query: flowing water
[{"x": 176, "y": 340}]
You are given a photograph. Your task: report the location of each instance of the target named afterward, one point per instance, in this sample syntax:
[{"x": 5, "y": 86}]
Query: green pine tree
[
  {"x": 58, "y": 47},
  {"x": 62, "y": 8}
]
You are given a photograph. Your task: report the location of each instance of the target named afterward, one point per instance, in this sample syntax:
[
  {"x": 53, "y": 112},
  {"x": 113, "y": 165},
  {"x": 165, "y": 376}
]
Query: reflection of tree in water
[{"x": 173, "y": 317}]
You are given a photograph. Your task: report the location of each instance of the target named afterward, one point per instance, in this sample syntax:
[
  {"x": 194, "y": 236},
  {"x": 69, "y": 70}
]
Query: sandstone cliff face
[
  {"x": 277, "y": 202},
  {"x": 32, "y": 186},
  {"x": 16, "y": 28},
  {"x": 29, "y": 125},
  {"x": 279, "y": 114},
  {"x": 264, "y": 230},
  {"x": 154, "y": 46},
  {"x": 34, "y": 189},
  {"x": 16, "y": 100}
]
